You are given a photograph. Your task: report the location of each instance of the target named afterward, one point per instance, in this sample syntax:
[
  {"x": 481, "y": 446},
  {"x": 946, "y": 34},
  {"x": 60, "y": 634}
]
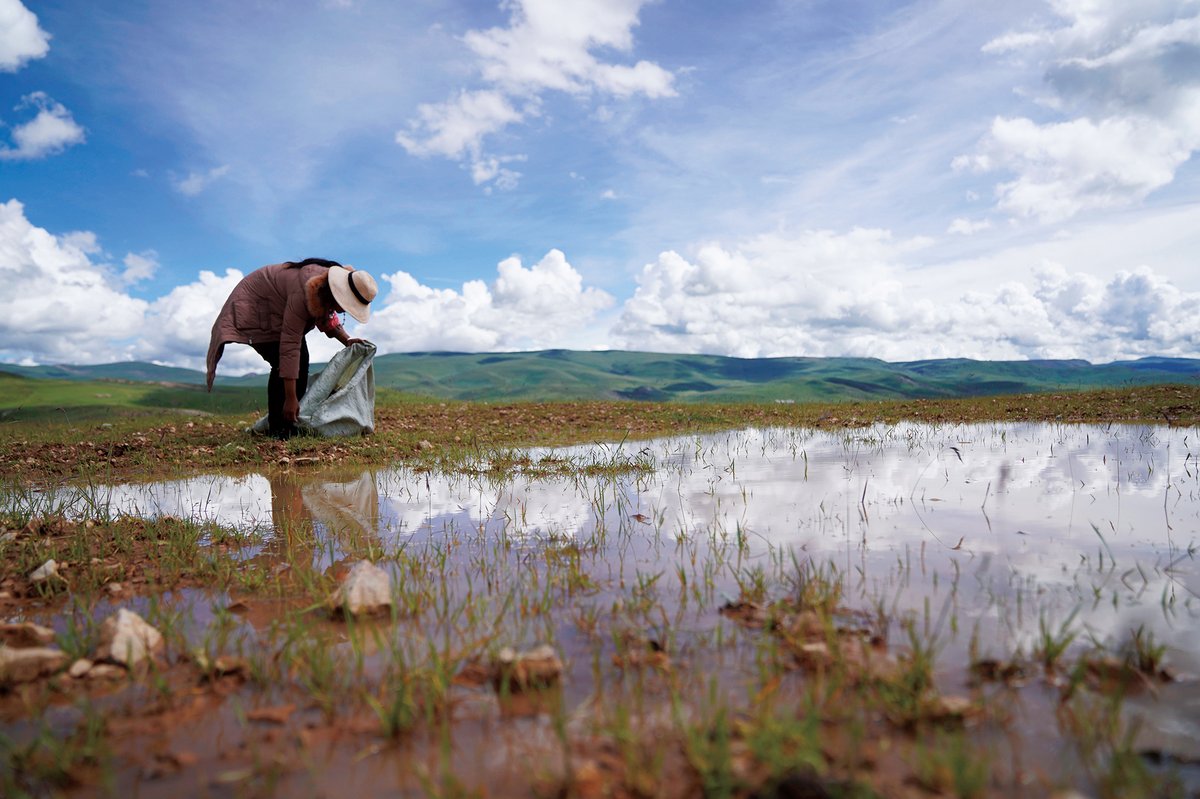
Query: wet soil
[{"x": 692, "y": 668}]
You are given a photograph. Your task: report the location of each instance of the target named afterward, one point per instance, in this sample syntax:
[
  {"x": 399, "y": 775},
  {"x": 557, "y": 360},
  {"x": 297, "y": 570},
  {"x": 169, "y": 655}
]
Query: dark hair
[{"x": 309, "y": 261}]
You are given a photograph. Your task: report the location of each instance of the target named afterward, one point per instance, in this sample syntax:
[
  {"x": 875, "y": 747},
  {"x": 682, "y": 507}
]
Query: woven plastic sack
[{"x": 340, "y": 401}]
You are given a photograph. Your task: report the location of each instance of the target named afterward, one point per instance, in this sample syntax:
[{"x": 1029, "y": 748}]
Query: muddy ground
[{"x": 724, "y": 679}]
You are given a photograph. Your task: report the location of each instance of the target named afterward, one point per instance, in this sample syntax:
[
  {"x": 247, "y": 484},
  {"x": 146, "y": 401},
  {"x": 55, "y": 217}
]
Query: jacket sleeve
[{"x": 295, "y": 325}]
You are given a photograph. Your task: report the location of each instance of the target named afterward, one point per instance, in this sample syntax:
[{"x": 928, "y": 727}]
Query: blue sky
[{"x": 852, "y": 177}]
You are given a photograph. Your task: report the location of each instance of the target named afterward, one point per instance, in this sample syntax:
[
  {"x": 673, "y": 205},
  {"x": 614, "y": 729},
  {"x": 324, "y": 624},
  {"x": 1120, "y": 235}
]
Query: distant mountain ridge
[{"x": 570, "y": 374}]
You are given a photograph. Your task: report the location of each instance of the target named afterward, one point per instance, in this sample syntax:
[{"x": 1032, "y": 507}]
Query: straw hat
[{"x": 353, "y": 289}]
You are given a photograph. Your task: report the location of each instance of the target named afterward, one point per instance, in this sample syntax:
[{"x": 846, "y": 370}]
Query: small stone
[
  {"x": 127, "y": 639},
  {"x": 80, "y": 668},
  {"x": 367, "y": 590},
  {"x": 47, "y": 571},
  {"x": 221, "y": 665},
  {"x": 114, "y": 588},
  {"x": 106, "y": 671},
  {"x": 537, "y": 667},
  {"x": 814, "y": 653},
  {"x": 952, "y": 708},
  {"x": 27, "y": 665},
  {"x": 25, "y": 635},
  {"x": 425, "y": 444}
]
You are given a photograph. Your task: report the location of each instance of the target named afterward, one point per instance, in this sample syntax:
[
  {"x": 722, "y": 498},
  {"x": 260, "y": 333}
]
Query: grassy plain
[{"x": 706, "y": 673}]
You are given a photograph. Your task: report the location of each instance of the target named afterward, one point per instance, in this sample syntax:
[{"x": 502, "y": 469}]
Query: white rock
[
  {"x": 127, "y": 639},
  {"x": 366, "y": 590},
  {"x": 80, "y": 668},
  {"x": 47, "y": 571},
  {"x": 27, "y": 665}
]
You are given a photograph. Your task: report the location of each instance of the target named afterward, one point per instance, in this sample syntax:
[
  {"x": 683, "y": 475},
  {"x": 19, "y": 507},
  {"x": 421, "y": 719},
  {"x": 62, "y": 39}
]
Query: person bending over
[{"x": 272, "y": 309}]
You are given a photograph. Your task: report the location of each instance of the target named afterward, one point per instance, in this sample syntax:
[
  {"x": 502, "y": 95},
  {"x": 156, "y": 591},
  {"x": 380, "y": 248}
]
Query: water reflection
[
  {"x": 1002, "y": 527},
  {"x": 331, "y": 517}
]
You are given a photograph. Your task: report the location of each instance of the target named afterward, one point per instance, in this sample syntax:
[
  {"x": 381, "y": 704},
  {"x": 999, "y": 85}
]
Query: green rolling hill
[
  {"x": 567, "y": 375},
  {"x": 563, "y": 374}
]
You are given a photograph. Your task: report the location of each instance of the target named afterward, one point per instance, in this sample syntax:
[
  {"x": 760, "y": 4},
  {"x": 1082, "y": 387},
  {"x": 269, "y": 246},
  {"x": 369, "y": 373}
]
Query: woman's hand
[
  {"x": 291, "y": 403},
  {"x": 350, "y": 341},
  {"x": 291, "y": 409}
]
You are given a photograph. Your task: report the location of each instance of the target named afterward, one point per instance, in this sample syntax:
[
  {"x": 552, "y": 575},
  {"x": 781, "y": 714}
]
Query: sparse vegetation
[{"x": 700, "y": 655}]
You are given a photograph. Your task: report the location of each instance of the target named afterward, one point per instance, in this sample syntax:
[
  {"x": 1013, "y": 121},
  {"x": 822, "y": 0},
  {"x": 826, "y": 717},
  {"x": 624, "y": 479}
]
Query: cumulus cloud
[
  {"x": 826, "y": 294},
  {"x": 195, "y": 182},
  {"x": 62, "y": 306},
  {"x": 524, "y": 308},
  {"x": 68, "y": 305},
  {"x": 21, "y": 39},
  {"x": 1123, "y": 75},
  {"x": 51, "y": 130},
  {"x": 549, "y": 45},
  {"x": 1068, "y": 167}
]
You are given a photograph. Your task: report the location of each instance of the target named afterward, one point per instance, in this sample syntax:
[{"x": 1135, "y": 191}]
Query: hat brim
[{"x": 339, "y": 284}]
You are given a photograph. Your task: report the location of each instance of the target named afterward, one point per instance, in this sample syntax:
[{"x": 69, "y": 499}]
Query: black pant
[{"x": 279, "y": 427}]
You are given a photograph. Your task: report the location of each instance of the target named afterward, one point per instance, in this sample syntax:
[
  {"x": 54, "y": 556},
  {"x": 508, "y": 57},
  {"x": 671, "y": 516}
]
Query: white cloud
[
  {"x": 457, "y": 127},
  {"x": 21, "y": 39},
  {"x": 549, "y": 45},
  {"x": 67, "y": 306},
  {"x": 51, "y": 131},
  {"x": 968, "y": 227},
  {"x": 524, "y": 308},
  {"x": 816, "y": 293},
  {"x": 1069, "y": 167},
  {"x": 1123, "y": 75},
  {"x": 196, "y": 182},
  {"x": 61, "y": 306},
  {"x": 491, "y": 169},
  {"x": 826, "y": 294},
  {"x": 139, "y": 266}
]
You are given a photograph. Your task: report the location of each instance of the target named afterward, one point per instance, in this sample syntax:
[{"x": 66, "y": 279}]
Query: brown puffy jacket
[{"x": 274, "y": 303}]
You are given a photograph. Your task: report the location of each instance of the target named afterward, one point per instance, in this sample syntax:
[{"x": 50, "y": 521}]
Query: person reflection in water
[
  {"x": 330, "y": 520},
  {"x": 272, "y": 309},
  {"x": 319, "y": 525}
]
